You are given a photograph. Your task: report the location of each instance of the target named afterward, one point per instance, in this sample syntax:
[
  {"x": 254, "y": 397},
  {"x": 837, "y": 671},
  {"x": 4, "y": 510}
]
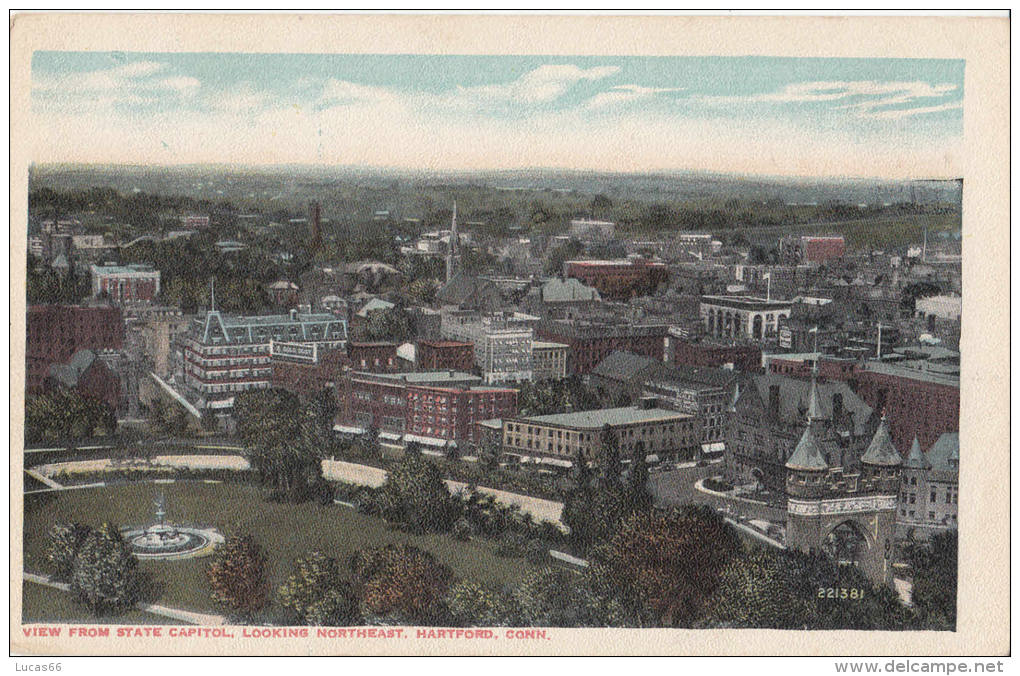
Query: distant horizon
[
  {"x": 493, "y": 170},
  {"x": 818, "y": 117}
]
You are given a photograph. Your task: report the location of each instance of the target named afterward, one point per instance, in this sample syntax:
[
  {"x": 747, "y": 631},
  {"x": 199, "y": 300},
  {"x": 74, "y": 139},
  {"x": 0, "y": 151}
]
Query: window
[
  {"x": 931, "y": 516},
  {"x": 933, "y": 496}
]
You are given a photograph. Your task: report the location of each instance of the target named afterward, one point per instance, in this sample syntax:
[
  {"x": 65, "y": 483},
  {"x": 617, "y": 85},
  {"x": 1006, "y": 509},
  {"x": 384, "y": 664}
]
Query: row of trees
[{"x": 64, "y": 414}]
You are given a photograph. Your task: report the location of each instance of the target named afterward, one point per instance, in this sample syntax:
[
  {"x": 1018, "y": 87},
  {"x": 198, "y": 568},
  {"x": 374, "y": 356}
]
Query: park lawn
[
  {"x": 45, "y": 604},
  {"x": 285, "y": 531}
]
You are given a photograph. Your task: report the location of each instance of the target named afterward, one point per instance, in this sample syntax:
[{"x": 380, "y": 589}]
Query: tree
[
  {"x": 610, "y": 455},
  {"x": 667, "y": 566},
  {"x": 318, "y": 594},
  {"x": 105, "y": 576},
  {"x": 473, "y": 605},
  {"x": 414, "y": 494},
  {"x": 935, "y": 580},
  {"x": 66, "y": 541},
  {"x": 554, "y": 597},
  {"x": 638, "y": 495},
  {"x": 238, "y": 576},
  {"x": 760, "y": 589},
  {"x": 400, "y": 584},
  {"x": 285, "y": 442}
]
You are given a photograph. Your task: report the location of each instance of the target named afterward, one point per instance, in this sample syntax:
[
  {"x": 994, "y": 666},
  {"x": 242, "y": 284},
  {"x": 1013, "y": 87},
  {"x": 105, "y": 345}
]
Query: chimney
[{"x": 774, "y": 401}]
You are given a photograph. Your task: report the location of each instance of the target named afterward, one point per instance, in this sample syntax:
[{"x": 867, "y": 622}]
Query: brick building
[
  {"x": 567, "y": 436},
  {"x": 54, "y": 333},
  {"x": 712, "y": 353},
  {"x": 125, "y": 283},
  {"x": 813, "y": 248},
  {"x": 87, "y": 375},
  {"x": 440, "y": 415},
  {"x": 378, "y": 356},
  {"x": 589, "y": 343},
  {"x": 800, "y": 365},
  {"x": 918, "y": 403},
  {"x": 438, "y": 355},
  {"x": 619, "y": 279},
  {"x": 549, "y": 360},
  {"x": 304, "y": 369},
  {"x": 224, "y": 355},
  {"x": 379, "y": 400}
]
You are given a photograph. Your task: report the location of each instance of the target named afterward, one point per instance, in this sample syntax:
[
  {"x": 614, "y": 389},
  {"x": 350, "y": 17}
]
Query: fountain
[{"x": 161, "y": 540}]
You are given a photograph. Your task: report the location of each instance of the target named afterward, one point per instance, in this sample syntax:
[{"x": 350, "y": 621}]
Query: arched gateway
[{"x": 850, "y": 517}]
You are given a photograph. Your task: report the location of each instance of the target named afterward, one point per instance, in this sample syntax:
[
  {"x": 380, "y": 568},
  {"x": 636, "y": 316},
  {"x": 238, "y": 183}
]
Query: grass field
[
  {"x": 866, "y": 233},
  {"x": 46, "y": 604},
  {"x": 286, "y": 532}
]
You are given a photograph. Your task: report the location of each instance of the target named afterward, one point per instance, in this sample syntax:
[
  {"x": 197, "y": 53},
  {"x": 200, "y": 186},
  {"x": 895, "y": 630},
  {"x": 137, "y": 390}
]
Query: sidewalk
[{"x": 173, "y": 613}]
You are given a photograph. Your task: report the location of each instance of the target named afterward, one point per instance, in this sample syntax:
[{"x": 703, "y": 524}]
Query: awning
[
  {"x": 390, "y": 435},
  {"x": 556, "y": 462},
  {"x": 226, "y": 403},
  {"x": 716, "y": 447},
  {"x": 346, "y": 429},
  {"x": 428, "y": 441}
]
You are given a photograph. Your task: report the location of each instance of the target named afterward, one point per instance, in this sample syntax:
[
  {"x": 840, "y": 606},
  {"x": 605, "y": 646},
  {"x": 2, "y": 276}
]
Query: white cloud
[
  {"x": 343, "y": 92},
  {"x": 626, "y": 94},
  {"x": 341, "y": 122},
  {"x": 870, "y": 98},
  {"x": 545, "y": 84}
]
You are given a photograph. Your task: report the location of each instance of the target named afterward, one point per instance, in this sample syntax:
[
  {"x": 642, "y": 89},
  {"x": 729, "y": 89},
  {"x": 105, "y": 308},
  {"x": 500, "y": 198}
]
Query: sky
[{"x": 887, "y": 118}]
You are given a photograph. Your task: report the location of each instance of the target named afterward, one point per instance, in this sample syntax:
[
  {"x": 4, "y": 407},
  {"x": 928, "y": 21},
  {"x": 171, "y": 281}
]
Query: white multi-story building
[
  {"x": 503, "y": 343},
  {"x": 223, "y": 355}
]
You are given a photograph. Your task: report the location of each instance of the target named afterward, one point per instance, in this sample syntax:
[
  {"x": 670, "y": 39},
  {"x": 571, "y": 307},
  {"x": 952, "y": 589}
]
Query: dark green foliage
[
  {"x": 564, "y": 252},
  {"x": 45, "y": 286},
  {"x": 64, "y": 415},
  {"x": 286, "y": 442},
  {"x": 665, "y": 567},
  {"x": 105, "y": 576},
  {"x": 553, "y": 597},
  {"x": 555, "y": 396},
  {"x": 65, "y": 543},
  {"x": 415, "y": 495},
  {"x": 318, "y": 593},
  {"x": 935, "y": 580},
  {"x": 470, "y": 604}
]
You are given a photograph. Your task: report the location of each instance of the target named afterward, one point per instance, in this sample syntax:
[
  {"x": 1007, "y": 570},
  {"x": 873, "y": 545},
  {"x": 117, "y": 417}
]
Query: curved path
[
  {"x": 174, "y": 613},
  {"x": 333, "y": 470}
]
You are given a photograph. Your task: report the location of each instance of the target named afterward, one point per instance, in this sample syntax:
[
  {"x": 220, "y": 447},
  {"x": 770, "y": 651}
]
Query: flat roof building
[
  {"x": 743, "y": 316},
  {"x": 568, "y": 436}
]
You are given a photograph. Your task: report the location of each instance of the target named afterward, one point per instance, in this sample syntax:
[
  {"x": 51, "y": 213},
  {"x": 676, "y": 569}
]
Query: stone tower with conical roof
[{"x": 850, "y": 517}]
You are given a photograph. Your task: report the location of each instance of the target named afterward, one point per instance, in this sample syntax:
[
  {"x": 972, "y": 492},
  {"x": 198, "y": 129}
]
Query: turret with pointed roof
[
  {"x": 916, "y": 459},
  {"x": 881, "y": 451}
]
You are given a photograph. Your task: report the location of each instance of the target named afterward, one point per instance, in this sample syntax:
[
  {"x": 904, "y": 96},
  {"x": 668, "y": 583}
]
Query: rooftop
[
  {"x": 133, "y": 269},
  {"x": 628, "y": 415},
  {"x": 543, "y": 345},
  {"x": 422, "y": 376},
  {"x": 914, "y": 374}
]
